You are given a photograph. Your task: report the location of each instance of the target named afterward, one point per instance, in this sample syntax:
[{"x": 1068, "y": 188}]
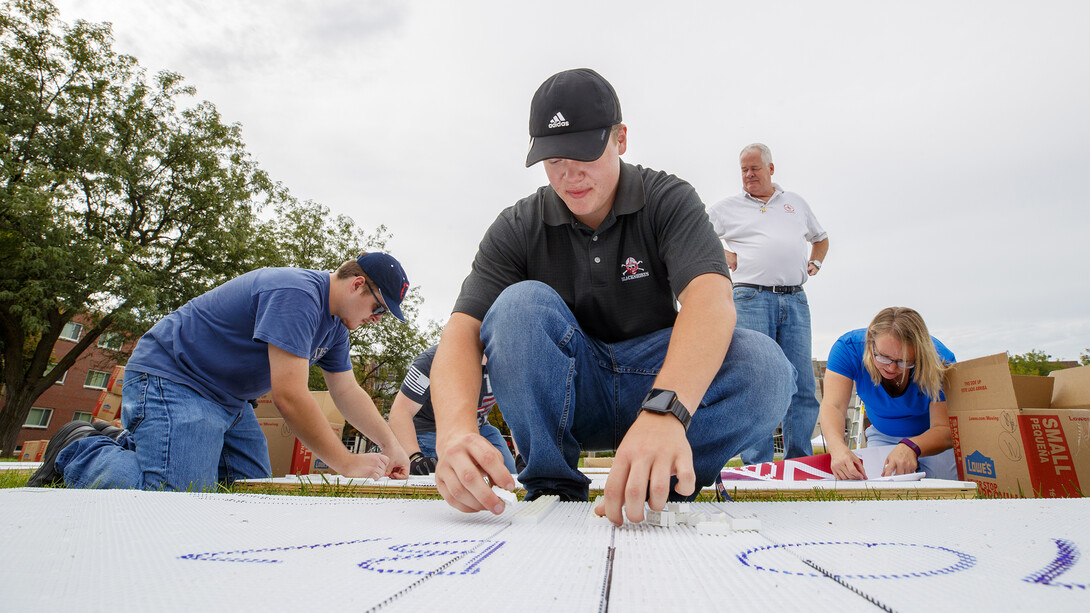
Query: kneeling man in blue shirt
[{"x": 186, "y": 397}]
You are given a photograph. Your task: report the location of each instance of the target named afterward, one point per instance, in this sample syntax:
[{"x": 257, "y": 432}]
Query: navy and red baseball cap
[
  {"x": 571, "y": 116},
  {"x": 389, "y": 276}
]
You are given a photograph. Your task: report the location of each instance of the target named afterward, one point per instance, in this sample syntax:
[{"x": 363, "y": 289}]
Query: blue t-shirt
[
  {"x": 217, "y": 343},
  {"x": 906, "y": 415}
]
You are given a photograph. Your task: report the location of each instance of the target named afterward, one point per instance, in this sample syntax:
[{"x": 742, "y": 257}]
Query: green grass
[
  {"x": 328, "y": 488},
  {"x": 13, "y": 478}
]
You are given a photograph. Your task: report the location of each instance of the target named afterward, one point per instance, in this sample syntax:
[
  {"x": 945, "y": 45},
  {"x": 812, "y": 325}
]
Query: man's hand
[
  {"x": 732, "y": 260},
  {"x": 466, "y": 461},
  {"x": 900, "y": 461},
  {"x": 847, "y": 465},
  {"x": 369, "y": 465},
  {"x": 398, "y": 467},
  {"x": 653, "y": 450},
  {"x": 420, "y": 464}
]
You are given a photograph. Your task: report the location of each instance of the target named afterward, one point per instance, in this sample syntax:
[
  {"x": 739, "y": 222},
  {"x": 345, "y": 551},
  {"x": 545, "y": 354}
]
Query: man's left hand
[{"x": 653, "y": 450}]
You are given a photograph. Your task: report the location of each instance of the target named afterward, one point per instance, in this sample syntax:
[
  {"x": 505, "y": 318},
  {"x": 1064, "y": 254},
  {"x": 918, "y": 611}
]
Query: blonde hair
[{"x": 907, "y": 326}]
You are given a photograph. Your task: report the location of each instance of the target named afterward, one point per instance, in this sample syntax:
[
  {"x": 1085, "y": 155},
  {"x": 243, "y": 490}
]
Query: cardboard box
[
  {"x": 287, "y": 454},
  {"x": 108, "y": 407},
  {"x": 117, "y": 380},
  {"x": 33, "y": 451},
  {"x": 597, "y": 462},
  {"x": 267, "y": 409},
  {"x": 1020, "y": 436}
]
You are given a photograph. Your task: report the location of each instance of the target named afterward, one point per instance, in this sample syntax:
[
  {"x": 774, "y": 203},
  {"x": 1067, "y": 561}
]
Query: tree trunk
[{"x": 13, "y": 414}]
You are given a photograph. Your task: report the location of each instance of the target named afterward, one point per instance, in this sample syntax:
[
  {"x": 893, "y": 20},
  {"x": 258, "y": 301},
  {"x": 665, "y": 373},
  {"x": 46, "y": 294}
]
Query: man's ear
[{"x": 622, "y": 139}]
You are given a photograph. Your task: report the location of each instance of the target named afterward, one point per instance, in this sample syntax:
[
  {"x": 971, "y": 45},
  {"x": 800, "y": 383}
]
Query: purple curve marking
[
  {"x": 964, "y": 560},
  {"x": 1066, "y": 557}
]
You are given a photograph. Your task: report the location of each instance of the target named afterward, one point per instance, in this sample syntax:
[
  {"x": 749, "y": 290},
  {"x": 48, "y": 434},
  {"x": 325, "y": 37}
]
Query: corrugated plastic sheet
[{"x": 77, "y": 550}]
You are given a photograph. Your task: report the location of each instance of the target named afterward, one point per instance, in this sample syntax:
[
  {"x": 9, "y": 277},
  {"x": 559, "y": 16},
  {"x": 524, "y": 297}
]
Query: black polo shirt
[{"x": 619, "y": 280}]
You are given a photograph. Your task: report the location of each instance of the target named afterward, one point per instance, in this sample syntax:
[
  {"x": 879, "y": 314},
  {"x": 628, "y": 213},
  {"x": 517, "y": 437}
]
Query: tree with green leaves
[
  {"x": 1034, "y": 362},
  {"x": 307, "y": 235},
  {"x": 119, "y": 198},
  {"x": 1084, "y": 358}
]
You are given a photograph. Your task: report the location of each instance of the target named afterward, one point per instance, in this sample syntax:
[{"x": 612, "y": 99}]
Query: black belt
[{"x": 775, "y": 289}]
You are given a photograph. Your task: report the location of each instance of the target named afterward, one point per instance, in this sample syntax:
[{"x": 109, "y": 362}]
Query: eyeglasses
[
  {"x": 381, "y": 308},
  {"x": 881, "y": 359}
]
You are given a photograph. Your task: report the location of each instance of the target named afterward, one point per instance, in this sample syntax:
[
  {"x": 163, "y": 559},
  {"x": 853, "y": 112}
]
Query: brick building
[{"x": 74, "y": 395}]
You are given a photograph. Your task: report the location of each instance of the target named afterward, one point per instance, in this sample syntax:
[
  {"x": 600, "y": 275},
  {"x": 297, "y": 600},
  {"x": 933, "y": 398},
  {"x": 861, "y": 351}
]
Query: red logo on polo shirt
[
  {"x": 788, "y": 208},
  {"x": 632, "y": 270}
]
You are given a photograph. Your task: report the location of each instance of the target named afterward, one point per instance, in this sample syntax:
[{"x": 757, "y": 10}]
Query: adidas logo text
[{"x": 558, "y": 121}]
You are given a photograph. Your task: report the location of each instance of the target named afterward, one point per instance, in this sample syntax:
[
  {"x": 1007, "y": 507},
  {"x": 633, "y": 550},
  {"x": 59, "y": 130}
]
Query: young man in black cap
[
  {"x": 572, "y": 297},
  {"x": 188, "y": 385}
]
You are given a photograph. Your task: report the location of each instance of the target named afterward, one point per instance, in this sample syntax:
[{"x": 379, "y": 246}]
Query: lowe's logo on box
[{"x": 980, "y": 465}]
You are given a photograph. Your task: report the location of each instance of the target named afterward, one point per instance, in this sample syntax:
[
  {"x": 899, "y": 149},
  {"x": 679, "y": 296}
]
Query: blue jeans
[
  {"x": 562, "y": 391},
  {"x": 939, "y": 466},
  {"x": 426, "y": 442},
  {"x": 784, "y": 318},
  {"x": 176, "y": 440}
]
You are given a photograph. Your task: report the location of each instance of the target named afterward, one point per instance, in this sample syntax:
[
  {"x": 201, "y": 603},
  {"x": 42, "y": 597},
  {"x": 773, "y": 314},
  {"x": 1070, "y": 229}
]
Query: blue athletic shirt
[
  {"x": 217, "y": 343},
  {"x": 906, "y": 415}
]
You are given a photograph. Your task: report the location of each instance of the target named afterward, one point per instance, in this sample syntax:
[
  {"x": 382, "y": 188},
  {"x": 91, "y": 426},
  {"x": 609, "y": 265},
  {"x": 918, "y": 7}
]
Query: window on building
[
  {"x": 71, "y": 331},
  {"x": 81, "y": 416},
  {"x": 96, "y": 379},
  {"x": 38, "y": 418},
  {"x": 110, "y": 340},
  {"x": 64, "y": 375}
]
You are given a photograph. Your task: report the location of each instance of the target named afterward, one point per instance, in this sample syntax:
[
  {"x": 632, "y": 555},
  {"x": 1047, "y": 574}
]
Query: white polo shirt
[{"x": 771, "y": 239}]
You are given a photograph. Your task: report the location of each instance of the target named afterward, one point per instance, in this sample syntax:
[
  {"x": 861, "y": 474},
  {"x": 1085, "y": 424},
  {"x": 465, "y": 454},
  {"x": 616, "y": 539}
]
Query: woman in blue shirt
[{"x": 897, "y": 368}]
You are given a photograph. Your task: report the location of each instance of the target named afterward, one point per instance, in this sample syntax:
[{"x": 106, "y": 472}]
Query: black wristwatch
[{"x": 665, "y": 401}]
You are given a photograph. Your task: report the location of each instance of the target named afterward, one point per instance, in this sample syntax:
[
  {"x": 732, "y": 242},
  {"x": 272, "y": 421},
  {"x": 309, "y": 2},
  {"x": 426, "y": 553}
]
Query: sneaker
[
  {"x": 105, "y": 428},
  {"x": 69, "y": 433}
]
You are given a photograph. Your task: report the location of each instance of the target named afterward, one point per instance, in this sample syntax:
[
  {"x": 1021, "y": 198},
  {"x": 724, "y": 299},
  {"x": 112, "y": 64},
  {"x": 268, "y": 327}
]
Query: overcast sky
[{"x": 939, "y": 143}]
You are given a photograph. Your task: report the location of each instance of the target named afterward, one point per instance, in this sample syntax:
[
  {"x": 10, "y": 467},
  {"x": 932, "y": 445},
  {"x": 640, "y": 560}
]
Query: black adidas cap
[{"x": 571, "y": 117}]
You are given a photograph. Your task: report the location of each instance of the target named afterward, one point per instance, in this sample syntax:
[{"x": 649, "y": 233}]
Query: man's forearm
[
  {"x": 819, "y": 250},
  {"x": 456, "y": 377},
  {"x": 360, "y": 411},
  {"x": 305, "y": 418},
  {"x": 401, "y": 423},
  {"x": 697, "y": 349}
]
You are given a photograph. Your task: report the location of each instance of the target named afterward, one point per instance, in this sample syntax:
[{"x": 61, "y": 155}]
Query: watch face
[{"x": 658, "y": 400}]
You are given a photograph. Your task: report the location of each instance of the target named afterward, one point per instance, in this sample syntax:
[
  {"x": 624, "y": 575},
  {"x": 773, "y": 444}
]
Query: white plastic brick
[
  {"x": 664, "y": 519},
  {"x": 509, "y": 498},
  {"x": 678, "y": 507},
  {"x": 745, "y": 523},
  {"x": 706, "y": 527},
  {"x": 536, "y": 510}
]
